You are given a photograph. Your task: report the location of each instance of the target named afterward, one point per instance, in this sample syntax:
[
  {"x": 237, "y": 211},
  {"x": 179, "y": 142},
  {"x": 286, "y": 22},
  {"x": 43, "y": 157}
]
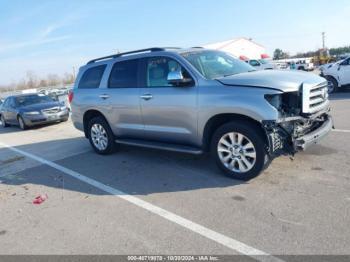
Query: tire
[
  {"x": 244, "y": 161},
  {"x": 3, "y": 122},
  {"x": 101, "y": 136},
  {"x": 21, "y": 123},
  {"x": 332, "y": 85}
]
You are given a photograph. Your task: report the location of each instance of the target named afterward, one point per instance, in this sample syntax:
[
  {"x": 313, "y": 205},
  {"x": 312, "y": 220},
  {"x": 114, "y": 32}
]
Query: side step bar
[{"x": 161, "y": 146}]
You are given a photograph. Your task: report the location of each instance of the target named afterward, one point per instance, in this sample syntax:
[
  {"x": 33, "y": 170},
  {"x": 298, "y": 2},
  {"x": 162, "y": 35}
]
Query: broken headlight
[{"x": 288, "y": 103}]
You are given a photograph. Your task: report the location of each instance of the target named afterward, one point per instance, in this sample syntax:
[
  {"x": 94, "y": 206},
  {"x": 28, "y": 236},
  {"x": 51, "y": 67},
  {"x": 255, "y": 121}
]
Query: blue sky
[{"x": 53, "y": 36}]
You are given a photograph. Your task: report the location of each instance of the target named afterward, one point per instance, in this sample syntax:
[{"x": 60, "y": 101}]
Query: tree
[
  {"x": 53, "y": 80},
  {"x": 279, "y": 54},
  {"x": 68, "y": 79},
  {"x": 32, "y": 81},
  {"x": 339, "y": 50}
]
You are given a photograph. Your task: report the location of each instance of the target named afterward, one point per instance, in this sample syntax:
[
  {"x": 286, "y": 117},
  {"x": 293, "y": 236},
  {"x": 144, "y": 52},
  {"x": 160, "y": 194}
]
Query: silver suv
[{"x": 197, "y": 100}]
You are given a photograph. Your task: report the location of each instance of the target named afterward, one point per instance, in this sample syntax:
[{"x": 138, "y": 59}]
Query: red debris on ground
[{"x": 40, "y": 199}]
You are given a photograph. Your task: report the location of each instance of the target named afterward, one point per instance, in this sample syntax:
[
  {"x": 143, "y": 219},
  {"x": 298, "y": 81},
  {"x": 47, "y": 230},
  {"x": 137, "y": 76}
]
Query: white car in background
[
  {"x": 305, "y": 65},
  {"x": 261, "y": 64},
  {"x": 338, "y": 75}
]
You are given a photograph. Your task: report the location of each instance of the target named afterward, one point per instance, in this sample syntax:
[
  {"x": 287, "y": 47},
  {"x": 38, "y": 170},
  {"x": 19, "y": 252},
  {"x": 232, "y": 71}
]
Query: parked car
[
  {"x": 197, "y": 100},
  {"x": 323, "y": 67},
  {"x": 261, "y": 64},
  {"x": 27, "y": 110},
  {"x": 304, "y": 64},
  {"x": 281, "y": 65},
  {"x": 338, "y": 75}
]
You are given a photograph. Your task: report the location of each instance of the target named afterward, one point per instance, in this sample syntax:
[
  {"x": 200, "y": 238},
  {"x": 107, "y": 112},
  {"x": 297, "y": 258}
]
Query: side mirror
[{"x": 176, "y": 78}]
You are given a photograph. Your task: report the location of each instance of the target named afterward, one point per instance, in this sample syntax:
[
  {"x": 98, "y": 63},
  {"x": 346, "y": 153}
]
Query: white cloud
[{"x": 34, "y": 42}]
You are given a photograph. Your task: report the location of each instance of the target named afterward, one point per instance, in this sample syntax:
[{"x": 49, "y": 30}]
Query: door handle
[
  {"x": 146, "y": 96},
  {"x": 104, "y": 96}
]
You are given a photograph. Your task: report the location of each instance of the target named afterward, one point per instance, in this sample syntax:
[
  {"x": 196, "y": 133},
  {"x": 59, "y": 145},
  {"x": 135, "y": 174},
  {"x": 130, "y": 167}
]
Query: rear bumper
[{"x": 301, "y": 143}]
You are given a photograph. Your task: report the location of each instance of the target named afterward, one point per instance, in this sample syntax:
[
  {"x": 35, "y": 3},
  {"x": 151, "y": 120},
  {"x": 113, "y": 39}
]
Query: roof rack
[{"x": 153, "y": 49}]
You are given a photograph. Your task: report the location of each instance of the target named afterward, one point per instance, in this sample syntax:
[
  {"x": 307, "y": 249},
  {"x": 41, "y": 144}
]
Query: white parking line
[
  {"x": 341, "y": 130},
  {"x": 201, "y": 230}
]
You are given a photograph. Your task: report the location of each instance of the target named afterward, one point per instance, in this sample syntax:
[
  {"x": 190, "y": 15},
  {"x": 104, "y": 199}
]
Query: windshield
[
  {"x": 32, "y": 99},
  {"x": 215, "y": 64}
]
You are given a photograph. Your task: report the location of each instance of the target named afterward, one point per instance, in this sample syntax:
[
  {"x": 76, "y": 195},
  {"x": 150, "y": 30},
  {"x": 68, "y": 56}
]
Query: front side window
[
  {"x": 92, "y": 77},
  {"x": 346, "y": 62},
  {"x": 215, "y": 64},
  {"x": 158, "y": 69},
  {"x": 6, "y": 103},
  {"x": 12, "y": 102},
  {"x": 124, "y": 74},
  {"x": 254, "y": 63}
]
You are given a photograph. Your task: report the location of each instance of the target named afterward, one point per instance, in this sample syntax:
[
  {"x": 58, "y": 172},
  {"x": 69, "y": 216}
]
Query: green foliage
[
  {"x": 339, "y": 50},
  {"x": 279, "y": 54}
]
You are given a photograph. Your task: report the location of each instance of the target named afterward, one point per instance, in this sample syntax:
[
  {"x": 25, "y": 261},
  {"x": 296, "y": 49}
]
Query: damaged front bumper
[
  {"x": 295, "y": 134},
  {"x": 303, "y": 142}
]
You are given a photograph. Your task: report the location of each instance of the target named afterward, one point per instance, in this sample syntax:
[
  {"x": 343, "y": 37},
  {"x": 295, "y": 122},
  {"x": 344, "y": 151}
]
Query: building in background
[{"x": 242, "y": 48}]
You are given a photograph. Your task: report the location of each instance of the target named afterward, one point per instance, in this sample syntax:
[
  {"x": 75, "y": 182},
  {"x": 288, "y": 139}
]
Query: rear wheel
[
  {"x": 101, "y": 136},
  {"x": 332, "y": 84},
  {"x": 21, "y": 123},
  {"x": 239, "y": 150},
  {"x": 3, "y": 122}
]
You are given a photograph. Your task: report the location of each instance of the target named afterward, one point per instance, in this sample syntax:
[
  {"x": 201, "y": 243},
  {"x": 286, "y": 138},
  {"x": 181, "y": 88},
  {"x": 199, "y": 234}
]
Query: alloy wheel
[
  {"x": 99, "y": 137},
  {"x": 21, "y": 123},
  {"x": 236, "y": 152},
  {"x": 330, "y": 87}
]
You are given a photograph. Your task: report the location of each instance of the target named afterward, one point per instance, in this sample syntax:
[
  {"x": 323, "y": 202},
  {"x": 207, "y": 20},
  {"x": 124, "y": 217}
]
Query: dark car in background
[{"x": 27, "y": 110}]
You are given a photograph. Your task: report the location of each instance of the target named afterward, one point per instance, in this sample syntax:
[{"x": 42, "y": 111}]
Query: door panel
[
  {"x": 344, "y": 74},
  {"x": 123, "y": 112},
  {"x": 123, "y": 100},
  {"x": 11, "y": 113},
  {"x": 169, "y": 112}
]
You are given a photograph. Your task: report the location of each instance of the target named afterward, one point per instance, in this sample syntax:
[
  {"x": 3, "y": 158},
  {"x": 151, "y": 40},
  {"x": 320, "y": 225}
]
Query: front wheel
[
  {"x": 3, "y": 122},
  {"x": 332, "y": 85},
  {"x": 21, "y": 123},
  {"x": 239, "y": 150},
  {"x": 101, "y": 136}
]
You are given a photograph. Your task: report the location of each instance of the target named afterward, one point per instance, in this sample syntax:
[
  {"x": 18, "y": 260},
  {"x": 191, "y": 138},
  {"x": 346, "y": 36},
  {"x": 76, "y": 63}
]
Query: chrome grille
[
  {"x": 52, "y": 110},
  {"x": 315, "y": 98}
]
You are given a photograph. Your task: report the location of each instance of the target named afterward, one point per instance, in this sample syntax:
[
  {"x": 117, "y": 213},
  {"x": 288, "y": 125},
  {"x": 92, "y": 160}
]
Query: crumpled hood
[
  {"x": 41, "y": 106},
  {"x": 285, "y": 81}
]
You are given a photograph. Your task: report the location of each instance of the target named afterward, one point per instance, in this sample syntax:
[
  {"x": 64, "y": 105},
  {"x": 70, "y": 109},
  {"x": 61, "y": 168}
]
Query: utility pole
[
  {"x": 74, "y": 73},
  {"x": 323, "y": 40}
]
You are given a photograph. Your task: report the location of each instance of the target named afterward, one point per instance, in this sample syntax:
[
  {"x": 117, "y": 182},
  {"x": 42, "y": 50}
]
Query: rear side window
[
  {"x": 92, "y": 77},
  {"x": 124, "y": 74}
]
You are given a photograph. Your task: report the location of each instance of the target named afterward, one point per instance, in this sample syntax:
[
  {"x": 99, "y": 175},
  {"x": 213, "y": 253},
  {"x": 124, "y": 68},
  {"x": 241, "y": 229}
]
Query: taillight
[{"x": 70, "y": 96}]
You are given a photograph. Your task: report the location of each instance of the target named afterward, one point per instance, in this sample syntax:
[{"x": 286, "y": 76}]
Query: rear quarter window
[{"x": 92, "y": 77}]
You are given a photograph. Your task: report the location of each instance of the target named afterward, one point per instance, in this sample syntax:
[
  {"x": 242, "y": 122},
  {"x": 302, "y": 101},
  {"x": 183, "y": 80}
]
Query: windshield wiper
[{"x": 230, "y": 74}]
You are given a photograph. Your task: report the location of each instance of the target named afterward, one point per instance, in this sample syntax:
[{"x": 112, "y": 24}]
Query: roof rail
[
  {"x": 197, "y": 47},
  {"x": 153, "y": 49}
]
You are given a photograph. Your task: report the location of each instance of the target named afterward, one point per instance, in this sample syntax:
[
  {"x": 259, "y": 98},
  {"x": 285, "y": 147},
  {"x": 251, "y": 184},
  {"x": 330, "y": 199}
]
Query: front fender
[{"x": 243, "y": 101}]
